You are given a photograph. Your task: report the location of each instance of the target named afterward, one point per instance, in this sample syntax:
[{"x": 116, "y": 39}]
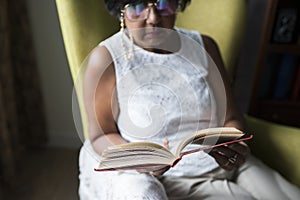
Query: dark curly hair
[{"x": 114, "y": 6}]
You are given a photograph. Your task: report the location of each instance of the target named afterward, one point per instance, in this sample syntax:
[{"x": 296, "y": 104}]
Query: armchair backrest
[
  {"x": 222, "y": 20},
  {"x": 85, "y": 23}
]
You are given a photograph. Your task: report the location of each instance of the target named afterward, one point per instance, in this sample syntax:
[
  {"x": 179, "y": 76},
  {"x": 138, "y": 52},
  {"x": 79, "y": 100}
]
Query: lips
[{"x": 153, "y": 33}]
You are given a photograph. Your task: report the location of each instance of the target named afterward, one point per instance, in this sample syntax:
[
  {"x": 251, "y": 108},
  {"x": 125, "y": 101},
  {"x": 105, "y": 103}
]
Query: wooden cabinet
[{"x": 276, "y": 89}]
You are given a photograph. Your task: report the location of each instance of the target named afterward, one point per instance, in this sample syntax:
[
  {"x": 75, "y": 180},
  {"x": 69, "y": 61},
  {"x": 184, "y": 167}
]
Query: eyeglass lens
[{"x": 139, "y": 11}]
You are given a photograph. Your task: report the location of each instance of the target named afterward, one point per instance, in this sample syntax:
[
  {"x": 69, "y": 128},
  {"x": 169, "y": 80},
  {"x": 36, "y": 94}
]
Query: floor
[{"x": 48, "y": 174}]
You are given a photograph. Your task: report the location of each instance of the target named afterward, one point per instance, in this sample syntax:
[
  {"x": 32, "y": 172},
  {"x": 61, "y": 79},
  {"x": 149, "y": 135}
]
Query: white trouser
[
  {"x": 253, "y": 180},
  {"x": 115, "y": 185}
]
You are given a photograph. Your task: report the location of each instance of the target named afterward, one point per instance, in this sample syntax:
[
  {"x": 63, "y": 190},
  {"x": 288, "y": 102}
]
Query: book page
[
  {"x": 209, "y": 137},
  {"x": 135, "y": 155}
]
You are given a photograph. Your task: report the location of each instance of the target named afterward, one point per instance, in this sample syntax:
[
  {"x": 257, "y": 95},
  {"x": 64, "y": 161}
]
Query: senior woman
[{"x": 155, "y": 82}]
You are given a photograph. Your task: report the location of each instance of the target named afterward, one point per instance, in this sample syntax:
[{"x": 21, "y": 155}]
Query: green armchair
[{"x": 85, "y": 23}]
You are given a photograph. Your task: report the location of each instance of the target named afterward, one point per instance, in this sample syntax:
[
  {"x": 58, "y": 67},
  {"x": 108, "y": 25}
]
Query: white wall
[{"x": 56, "y": 82}]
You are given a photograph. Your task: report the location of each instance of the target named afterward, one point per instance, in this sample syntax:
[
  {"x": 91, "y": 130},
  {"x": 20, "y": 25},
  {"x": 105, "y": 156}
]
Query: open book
[{"x": 147, "y": 156}]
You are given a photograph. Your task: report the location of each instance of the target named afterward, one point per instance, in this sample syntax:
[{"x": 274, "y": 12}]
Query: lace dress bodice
[{"x": 165, "y": 96}]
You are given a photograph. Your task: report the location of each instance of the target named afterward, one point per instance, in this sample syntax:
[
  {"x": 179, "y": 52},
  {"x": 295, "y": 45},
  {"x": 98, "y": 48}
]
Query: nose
[{"x": 153, "y": 16}]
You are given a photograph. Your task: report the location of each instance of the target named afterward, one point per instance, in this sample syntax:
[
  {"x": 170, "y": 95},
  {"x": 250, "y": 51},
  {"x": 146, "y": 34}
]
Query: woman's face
[{"x": 150, "y": 23}]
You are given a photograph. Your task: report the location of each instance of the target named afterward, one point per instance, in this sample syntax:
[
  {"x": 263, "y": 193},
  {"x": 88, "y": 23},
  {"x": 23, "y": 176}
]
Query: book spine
[
  {"x": 176, "y": 161},
  {"x": 295, "y": 93},
  {"x": 269, "y": 75},
  {"x": 284, "y": 77}
]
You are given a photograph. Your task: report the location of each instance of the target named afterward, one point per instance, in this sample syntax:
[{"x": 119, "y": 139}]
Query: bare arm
[
  {"x": 234, "y": 117},
  {"x": 100, "y": 100},
  {"x": 231, "y": 156}
]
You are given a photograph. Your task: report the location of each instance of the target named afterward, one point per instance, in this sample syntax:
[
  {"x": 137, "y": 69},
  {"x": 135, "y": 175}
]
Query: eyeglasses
[{"x": 140, "y": 11}]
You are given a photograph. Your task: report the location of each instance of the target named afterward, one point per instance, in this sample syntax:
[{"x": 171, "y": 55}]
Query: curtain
[{"x": 22, "y": 122}]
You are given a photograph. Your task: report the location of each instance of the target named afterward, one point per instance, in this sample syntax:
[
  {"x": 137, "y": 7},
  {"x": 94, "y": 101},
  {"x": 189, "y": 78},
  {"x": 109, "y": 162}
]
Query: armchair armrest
[{"x": 277, "y": 146}]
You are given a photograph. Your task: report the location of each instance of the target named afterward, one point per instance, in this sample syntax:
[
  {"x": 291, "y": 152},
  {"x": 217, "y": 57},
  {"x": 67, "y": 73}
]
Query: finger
[
  {"x": 237, "y": 160},
  {"x": 228, "y": 158},
  {"x": 232, "y": 149},
  {"x": 160, "y": 171},
  {"x": 166, "y": 143},
  {"x": 225, "y": 151},
  {"x": 241, "y": 148},
  {"x": 222, "y": 160}
]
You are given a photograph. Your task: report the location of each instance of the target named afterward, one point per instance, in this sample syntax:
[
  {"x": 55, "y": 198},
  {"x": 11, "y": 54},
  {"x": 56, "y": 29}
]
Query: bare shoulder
[
  {"x": 99, "y": 58},
  {"x": 210, "y": 44},
  {"x": 213, "y": 50},
  {"x": 100, "y": 64}
]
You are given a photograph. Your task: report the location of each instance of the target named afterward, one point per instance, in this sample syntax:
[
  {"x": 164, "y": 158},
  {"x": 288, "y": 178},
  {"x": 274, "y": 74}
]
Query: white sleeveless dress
[{"x": 160, "y": 96}]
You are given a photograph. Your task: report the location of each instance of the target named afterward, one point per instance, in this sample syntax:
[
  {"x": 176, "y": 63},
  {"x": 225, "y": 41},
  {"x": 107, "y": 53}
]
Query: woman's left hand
[{"x": 230, "y": 156}]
